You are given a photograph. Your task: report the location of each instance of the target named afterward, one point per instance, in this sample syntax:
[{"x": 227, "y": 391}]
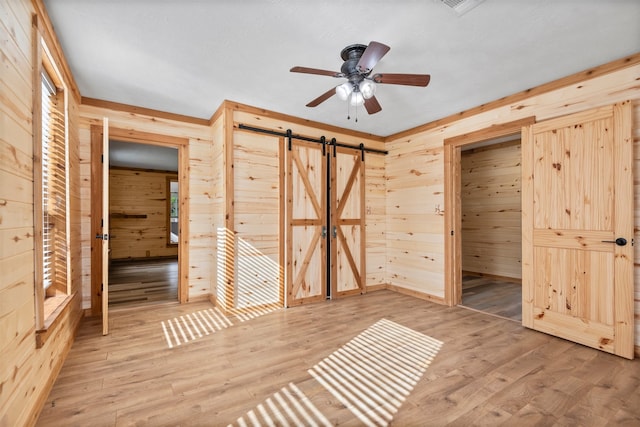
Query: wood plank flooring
[
  {"x": 494, "y": 296},
  {"x": 135, "y": 283},
  {"x": 378, "y": 359}
]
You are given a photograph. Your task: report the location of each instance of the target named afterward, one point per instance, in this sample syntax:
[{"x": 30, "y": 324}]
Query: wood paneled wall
[
  {"x": 218, "y": 197},
  {"x": 414, "y": 221},
  {"x": 27, "y": 373},
  {"x": 415, "y": 200},
  {"x": 138, "y": 214},
  {"x": 491, "y": 210},
  {"x": 257, "y": 191}
]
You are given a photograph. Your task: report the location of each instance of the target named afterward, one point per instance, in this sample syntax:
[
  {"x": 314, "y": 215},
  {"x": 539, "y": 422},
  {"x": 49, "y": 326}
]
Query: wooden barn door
[
  {"x": 577, "y": 207},
  {"x": 326, "y": 222},
  {"x": 347, "y": 222},
  {"x": 307, "y": 227}
]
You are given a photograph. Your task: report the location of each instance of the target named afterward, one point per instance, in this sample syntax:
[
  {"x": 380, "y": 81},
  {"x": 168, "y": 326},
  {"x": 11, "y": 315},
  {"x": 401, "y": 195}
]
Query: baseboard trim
[
  {"x": 492, "y": 276},
  {"x": 378, "y": 287},
  {"x": 416, "y": 294}
]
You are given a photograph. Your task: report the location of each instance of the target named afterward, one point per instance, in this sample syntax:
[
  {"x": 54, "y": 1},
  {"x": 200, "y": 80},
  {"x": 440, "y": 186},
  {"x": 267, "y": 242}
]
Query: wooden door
[
  {"x": 577, "y": 199},
  {"x": 347, "y": 222},
  {"x": 105, "y": 227},
  {"x": 307, "y": 227}
]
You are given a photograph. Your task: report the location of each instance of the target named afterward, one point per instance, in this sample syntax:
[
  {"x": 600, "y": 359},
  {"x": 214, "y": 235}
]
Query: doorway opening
[
  {"x": 482, "y": 220},
  {"x": 148, "y": 249},
  {"x": 143, "y": 224},
  {"x": 491, "y": 211}
]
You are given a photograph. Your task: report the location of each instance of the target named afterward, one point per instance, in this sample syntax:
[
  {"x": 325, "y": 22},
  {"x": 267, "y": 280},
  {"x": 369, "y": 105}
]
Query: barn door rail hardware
[{"x": 290, "y": 136}]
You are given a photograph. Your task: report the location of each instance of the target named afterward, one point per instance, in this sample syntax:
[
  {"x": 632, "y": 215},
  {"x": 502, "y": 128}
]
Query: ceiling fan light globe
[
  {"x": 344, "y": 90},
  {"x": 367, "y": 88},
  {"x": 357, "y": 99}
]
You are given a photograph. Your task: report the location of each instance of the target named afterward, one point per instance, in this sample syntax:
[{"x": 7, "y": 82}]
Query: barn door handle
[
  {"x": 620, "y": 241},
  {"x": 335, "y": 231},
  {"x": 324, "y": 232}
]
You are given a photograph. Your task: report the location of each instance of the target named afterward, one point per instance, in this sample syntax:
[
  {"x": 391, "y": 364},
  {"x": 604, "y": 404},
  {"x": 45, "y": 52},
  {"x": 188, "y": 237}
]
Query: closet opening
[
  {"x": 483, "y": 234},
  {"x": 490, "y": 205}
]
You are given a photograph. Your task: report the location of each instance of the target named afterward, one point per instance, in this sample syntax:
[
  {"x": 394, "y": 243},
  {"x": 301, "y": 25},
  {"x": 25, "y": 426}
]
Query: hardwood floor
[
  {"x": 134, "y": 283},
  {"x": 378, "y": 359},
  {"x": 494, "y": 296}
]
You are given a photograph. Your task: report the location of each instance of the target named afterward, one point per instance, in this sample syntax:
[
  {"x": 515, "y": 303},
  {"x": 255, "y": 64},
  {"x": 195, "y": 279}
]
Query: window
[
  {"x": 51, "y": 195},
  {"x": 172, "y": 211}
]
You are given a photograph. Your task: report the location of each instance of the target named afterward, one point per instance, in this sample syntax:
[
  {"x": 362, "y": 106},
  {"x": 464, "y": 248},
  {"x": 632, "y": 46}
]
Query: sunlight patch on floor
[
  {"x": 373, "y": 374},
  {"x": 287, "y": 407},
  {"x": 189, "y": 327}
]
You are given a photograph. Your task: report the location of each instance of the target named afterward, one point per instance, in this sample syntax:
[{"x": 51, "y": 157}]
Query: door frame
[
  {"x": 453, "y": 204},
  {"x": 182, "y": 145}
]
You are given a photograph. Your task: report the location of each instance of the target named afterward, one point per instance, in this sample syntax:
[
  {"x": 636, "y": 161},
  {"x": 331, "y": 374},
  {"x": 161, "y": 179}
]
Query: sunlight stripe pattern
[
  {"x": 287, "y": 407},
  {"x": 189, "y": 327},
  {"x": 373, "y": 374}
]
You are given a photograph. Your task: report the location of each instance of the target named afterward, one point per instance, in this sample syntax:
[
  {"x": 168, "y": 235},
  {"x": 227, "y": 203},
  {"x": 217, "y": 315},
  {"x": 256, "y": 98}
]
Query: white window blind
[{"x": 54, "y": 187}]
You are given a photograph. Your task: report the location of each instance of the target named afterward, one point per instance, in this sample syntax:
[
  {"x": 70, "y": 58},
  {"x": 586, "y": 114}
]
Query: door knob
[{"x": 620, "y": 241}]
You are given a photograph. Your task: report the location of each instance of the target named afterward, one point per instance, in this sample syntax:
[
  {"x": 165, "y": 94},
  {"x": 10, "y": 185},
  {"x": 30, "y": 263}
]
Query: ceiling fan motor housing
[{"x": 351, "y": 56}]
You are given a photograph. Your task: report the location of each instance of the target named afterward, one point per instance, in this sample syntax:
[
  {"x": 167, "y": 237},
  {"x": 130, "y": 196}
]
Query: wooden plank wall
[
  {"x": 27, "y": 373},
  {"x": 415, "y": 207},
  {"x": 415, "y": 226},
  {"x": 218, "y": 196},
  {"x": 257, "y": 191},
  {"x": 201, "y": 231},
  {"x": 491, "y": 210},
  {"x": 138, "y": 214}
]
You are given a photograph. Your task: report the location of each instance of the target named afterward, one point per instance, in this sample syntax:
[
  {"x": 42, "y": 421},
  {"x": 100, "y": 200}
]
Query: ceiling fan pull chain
[{"x": 356, "y": 105}]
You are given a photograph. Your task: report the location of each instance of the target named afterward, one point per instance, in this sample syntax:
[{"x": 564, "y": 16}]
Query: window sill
[{"x": 54, "y": 308}]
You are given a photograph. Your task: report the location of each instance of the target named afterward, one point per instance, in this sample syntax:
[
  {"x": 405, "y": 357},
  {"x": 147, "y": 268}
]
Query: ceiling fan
[{"x": 360, "y": 86}]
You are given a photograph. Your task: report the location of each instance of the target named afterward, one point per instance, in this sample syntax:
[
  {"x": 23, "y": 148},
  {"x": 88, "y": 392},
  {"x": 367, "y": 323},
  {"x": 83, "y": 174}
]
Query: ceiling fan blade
[
  {"x": 371, "y": 55},
  {"x": 307, "y": 70},
  {"x": 319, "y": 100},
  {"x": 402, "y": 79},
  {"x": 372, "y": 105}
]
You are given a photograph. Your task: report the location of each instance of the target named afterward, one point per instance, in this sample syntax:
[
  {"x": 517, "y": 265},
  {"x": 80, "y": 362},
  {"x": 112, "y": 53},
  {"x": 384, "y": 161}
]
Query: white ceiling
[
  {"x": 147, "y": 156},
  {"x": 188, "y": 56}
]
